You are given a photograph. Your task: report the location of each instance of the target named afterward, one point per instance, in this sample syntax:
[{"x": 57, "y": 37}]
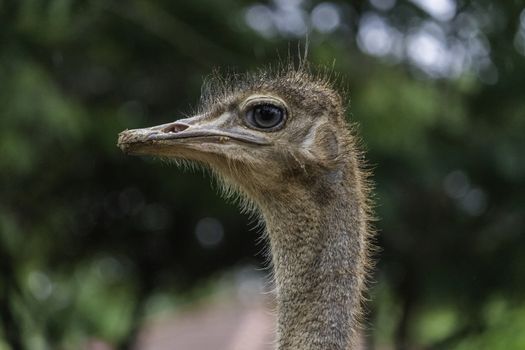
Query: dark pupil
[{"x": 267, "y": 116}]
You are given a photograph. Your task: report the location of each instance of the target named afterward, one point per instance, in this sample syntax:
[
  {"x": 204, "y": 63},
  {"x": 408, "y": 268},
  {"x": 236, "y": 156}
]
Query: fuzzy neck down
[{"x": 319, "y": 252}]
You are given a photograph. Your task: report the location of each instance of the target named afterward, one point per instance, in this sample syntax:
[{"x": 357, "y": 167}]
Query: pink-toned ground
[{"x": 227, "y": 325}]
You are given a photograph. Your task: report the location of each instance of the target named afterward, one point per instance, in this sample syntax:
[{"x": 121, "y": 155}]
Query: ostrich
[{"x": 280, "y": 141}]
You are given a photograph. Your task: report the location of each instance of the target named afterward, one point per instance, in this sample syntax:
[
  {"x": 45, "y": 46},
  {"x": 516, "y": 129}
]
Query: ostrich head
[{"x": 261, "y": 133}]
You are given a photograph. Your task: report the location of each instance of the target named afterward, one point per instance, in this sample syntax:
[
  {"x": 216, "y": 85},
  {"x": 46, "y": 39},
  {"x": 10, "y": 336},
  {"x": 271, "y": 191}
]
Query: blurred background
[{"x": 103, "y": 251}]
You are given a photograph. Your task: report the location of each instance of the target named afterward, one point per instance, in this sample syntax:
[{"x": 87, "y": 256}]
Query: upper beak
[{"x": 193, "y": 130}]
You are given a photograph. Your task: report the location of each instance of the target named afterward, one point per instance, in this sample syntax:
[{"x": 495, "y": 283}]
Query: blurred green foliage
[{"x": 88, "y": 236}]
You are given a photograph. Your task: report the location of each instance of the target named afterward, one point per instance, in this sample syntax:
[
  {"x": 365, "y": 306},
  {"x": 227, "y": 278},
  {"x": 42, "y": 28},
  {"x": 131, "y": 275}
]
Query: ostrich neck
[{"x": 318, "y": 245}]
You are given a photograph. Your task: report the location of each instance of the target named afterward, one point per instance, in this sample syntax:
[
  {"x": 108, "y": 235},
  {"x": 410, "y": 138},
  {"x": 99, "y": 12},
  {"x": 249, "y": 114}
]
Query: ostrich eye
[{"x": 265, "y": 116}]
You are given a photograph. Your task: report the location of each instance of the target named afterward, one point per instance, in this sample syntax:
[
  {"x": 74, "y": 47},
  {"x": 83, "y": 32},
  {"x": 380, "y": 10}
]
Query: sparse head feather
[{"x": 288, "y": 79}]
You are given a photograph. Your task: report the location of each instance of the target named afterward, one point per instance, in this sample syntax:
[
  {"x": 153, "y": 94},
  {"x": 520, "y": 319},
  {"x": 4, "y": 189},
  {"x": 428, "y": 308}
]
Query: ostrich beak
[{"x": 168, "y": 139}]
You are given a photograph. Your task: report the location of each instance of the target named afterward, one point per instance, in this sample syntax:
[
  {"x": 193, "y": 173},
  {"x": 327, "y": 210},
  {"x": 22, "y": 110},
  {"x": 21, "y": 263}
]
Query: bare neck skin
[{"x": 318, "y": 245}]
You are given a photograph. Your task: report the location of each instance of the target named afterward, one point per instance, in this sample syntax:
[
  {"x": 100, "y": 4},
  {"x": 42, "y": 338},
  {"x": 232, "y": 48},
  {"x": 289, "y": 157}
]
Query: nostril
[{"x": 175, "y": 127}]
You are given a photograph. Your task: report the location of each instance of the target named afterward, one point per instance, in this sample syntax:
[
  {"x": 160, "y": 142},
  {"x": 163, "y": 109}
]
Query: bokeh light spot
[
  {"x": 40, "y": 285},
  {"x": 209, "y": 232},
  {"x": 456, "y": 184},
  {"x": 443, "y": 10},
  {"x": 375, "y": 35},
  {"x": 383, "y": 5},
  {"x": 475, "y": 202},
  {"x": 325, "y": 17},
  {"x": 259, "y": 18}
]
